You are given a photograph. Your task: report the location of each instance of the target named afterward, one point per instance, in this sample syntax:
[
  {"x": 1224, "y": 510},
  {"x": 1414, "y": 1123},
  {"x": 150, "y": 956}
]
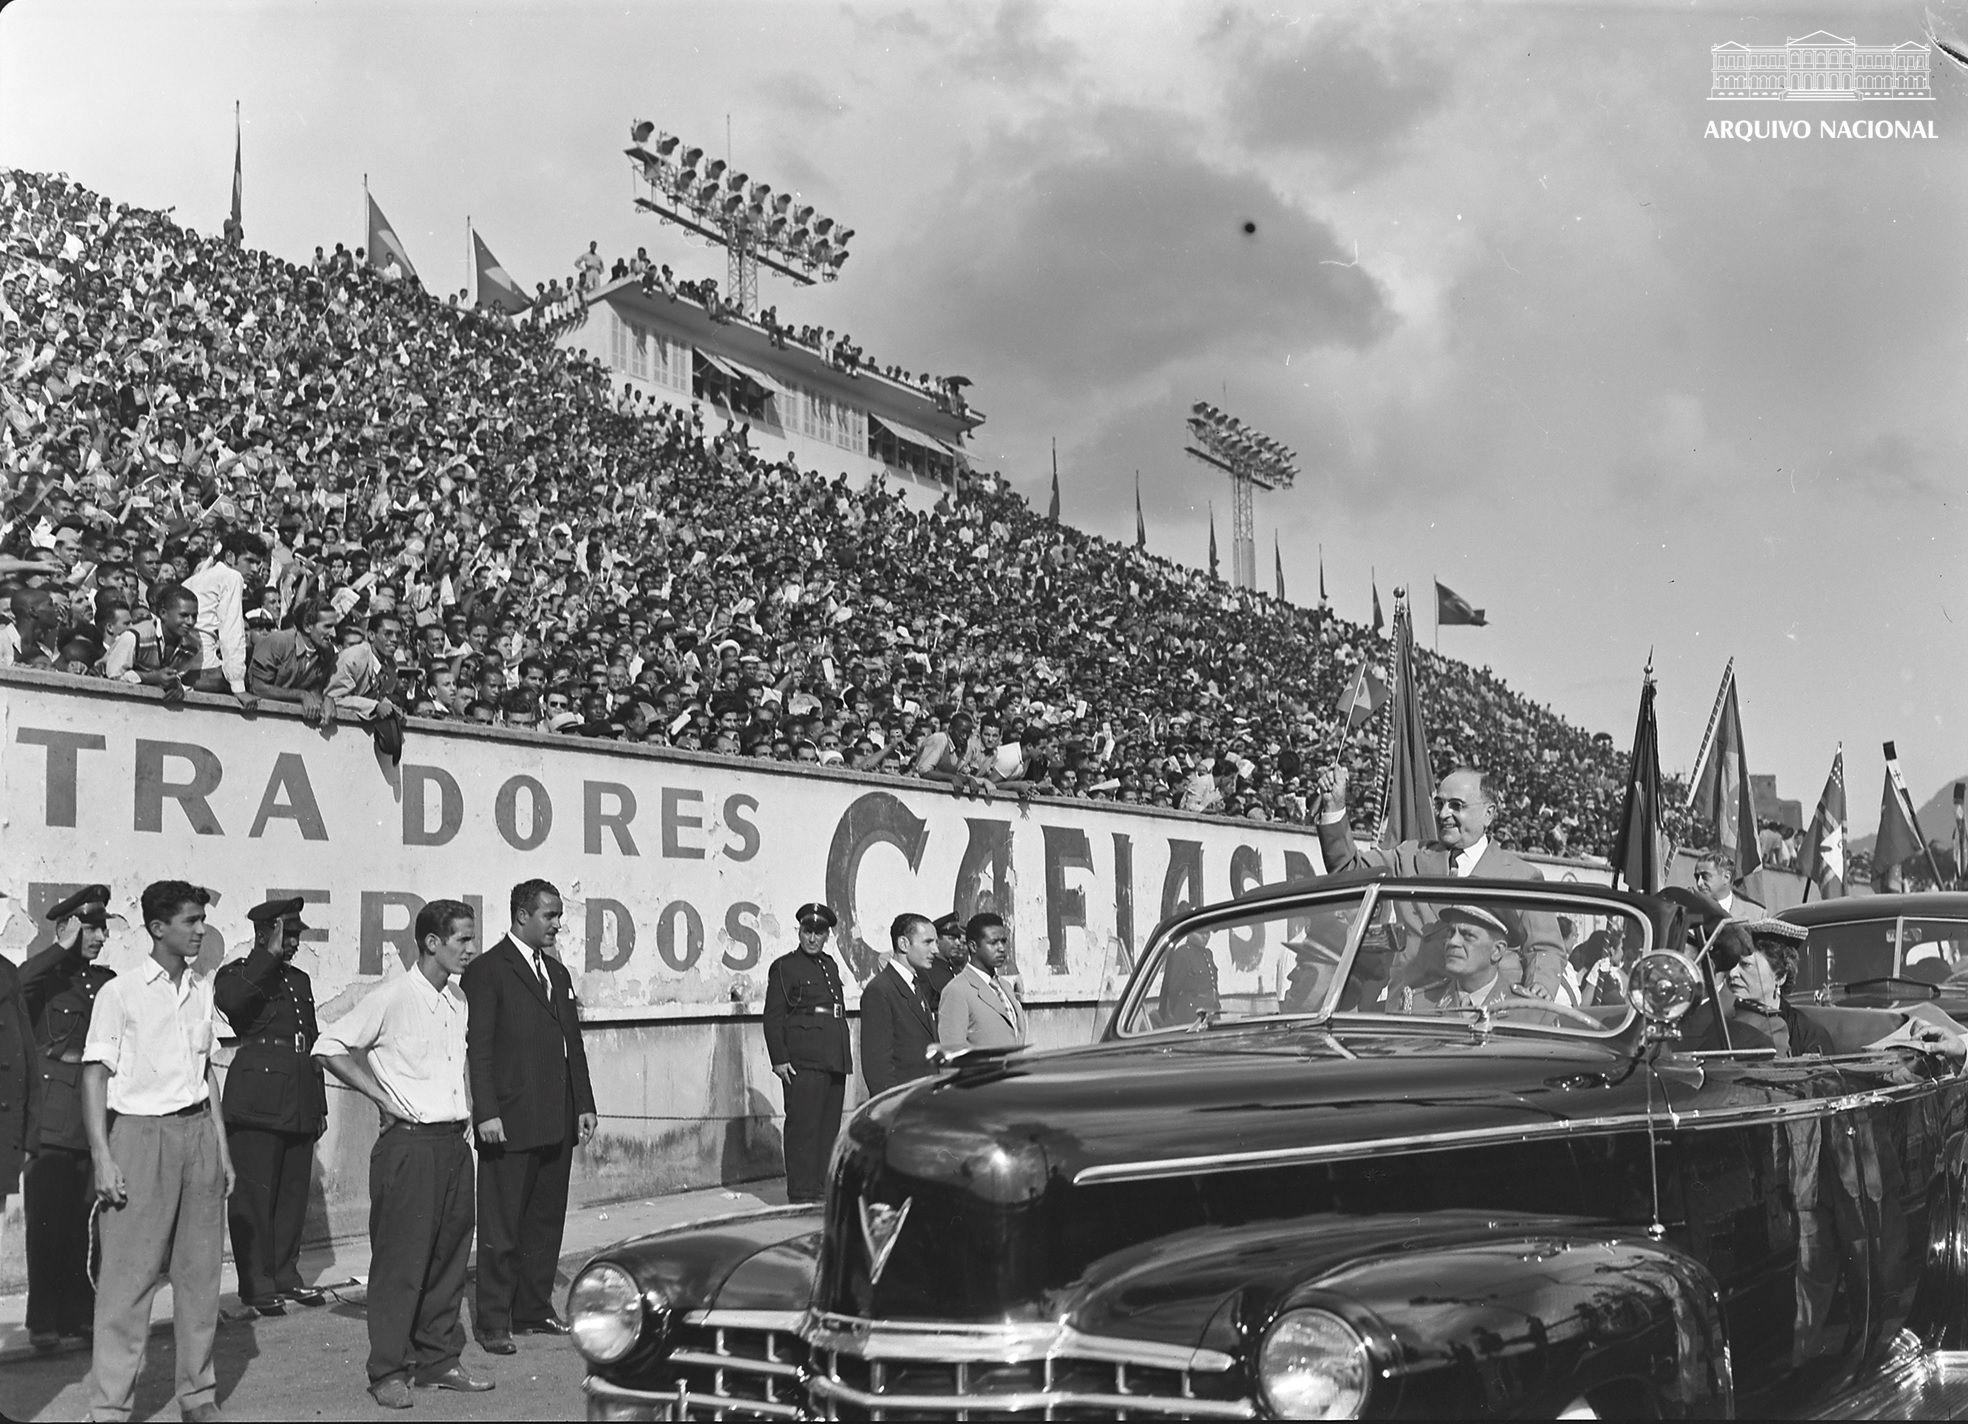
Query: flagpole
[
  {"x": 471, "y": 283},
  {"x": 1708, "y": 732},
  {"x": 1438, "y": 613}
]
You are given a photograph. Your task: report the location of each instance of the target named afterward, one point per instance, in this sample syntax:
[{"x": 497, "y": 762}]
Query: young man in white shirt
[
  {"x": 162, "y": 1170},
  {"x": 403, "y": 1048},
  {"x": 220, "y": 588}
]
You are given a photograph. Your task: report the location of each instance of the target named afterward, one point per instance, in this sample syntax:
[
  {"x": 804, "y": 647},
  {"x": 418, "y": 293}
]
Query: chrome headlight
[
  {"x": 1313, "y": 1365},
  {"x": 604, "y": 1312}
]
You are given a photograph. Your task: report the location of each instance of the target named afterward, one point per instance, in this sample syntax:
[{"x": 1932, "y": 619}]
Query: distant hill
[{"x": 1936, "y": 815}]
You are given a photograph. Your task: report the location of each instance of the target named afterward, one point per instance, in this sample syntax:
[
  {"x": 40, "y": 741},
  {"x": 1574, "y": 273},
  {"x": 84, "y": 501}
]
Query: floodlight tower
[
  {"x": 756, "y": 226},
  {"x": 1253, "y": 461}
]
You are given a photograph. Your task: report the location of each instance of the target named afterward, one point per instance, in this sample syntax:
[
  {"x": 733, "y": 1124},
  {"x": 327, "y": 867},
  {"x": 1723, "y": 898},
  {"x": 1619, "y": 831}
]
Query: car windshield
[{"x": 1400, "y": 952}]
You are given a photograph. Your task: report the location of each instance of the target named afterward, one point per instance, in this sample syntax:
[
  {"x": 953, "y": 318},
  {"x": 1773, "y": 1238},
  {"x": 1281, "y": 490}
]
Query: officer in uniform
[
  {"x": 806, "y": 1038},
  {"x": 275, "y": 1107},
  {"x": 952, "y": 954},
  {"x": 59, "y": 988}
]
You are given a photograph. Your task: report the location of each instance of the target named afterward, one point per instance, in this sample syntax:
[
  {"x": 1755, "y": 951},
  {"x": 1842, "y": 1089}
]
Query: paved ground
[{"x": 309, "y": 1364}]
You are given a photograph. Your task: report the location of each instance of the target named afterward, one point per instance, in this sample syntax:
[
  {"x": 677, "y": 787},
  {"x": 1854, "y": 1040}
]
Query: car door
[
  {"x": 1746, "y": 1161},
  {"x": 1884, "y": 1175}
]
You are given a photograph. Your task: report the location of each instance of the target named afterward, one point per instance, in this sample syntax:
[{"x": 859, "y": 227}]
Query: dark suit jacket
[
  {"x": 896, "y": 1032},
  {"x": 1546, "y": 947},
  {"x": 20, "y": 1080},
  {"x": 523, "y": 1054}
]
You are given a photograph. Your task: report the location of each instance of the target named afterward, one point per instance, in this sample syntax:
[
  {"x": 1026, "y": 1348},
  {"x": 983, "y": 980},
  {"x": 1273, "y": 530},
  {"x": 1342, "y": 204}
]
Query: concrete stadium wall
[{"x": 93, "y": 787}]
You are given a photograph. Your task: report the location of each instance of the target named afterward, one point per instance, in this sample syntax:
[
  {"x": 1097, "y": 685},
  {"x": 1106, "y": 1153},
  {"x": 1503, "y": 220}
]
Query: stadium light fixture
[
  {"x": 1254, "y": 461},
  {"x": 756, "y": 225}
]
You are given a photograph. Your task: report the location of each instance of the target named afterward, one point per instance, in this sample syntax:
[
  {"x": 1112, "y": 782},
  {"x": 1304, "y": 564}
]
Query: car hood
[{"x": 1021, "y": 1176}]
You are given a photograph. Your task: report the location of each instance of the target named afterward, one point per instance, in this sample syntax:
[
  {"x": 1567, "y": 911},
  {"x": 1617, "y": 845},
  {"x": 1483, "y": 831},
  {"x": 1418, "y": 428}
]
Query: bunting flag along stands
[
  {"x": 383, "y": 241},
  {"x": 496, "y": 288}
]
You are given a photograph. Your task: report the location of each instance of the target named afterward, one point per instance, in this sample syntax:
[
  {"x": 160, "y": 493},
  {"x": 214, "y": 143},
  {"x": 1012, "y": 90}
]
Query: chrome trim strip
[
  {"x": 676, "y": 1403},
  {"x": 742, "y": 1364},
  {"x": 940, "y": 1342},
  {"x": 786, "y": 1321},
  {"x": 1692, "y": 1120},
  {"x": 974, "y": 1406}
]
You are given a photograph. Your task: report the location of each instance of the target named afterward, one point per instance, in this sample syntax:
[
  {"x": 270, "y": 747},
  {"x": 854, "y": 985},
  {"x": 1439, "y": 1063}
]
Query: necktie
[{"x": 540, "y": 968}]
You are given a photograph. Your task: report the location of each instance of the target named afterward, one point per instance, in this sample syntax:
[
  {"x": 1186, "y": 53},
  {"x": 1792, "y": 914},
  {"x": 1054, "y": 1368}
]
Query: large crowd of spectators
[{"x": 435, "y": 511}]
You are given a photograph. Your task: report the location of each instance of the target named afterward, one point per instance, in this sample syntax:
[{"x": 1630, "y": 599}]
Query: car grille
[
  {"x": 844, "y": 1386},
  {"x": 737, "y": 1365},
  {"x": 747, "y": 1365}
]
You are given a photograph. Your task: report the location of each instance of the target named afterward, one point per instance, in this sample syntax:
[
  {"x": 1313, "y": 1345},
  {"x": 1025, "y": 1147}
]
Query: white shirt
[
  {"x": 414, "y": 1037},
  {"x": 1462, "y": 864},
  {"x": 155, "y": 1037},
  {"x": 221, "y": 591}
]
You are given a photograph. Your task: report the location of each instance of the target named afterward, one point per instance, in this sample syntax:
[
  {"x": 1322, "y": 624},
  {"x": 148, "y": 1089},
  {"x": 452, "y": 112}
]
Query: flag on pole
[
  {"x": 1899, "y": 829},
  {"x": 384, "y": 243},
  {"x": 1822, "y": 856},
  {"x": 1322, "y": 576},
  {"x": 1054, "y": 512},
  {"x": 235, "y": 230},
  {"x": 1140, "y": 524},
  {"x": 496, "y": 288},
  {"x": 1722, "y": 795},
  {"x": 1212, "y": 518},
  {"x": 1408, "y": 812},
  {"x": 1640, "y": 850},
  {"x": 1378, "y": 621},
  {"x": 1365, "y": 696},
  {"x": 1960, "y": 835},
  {"x": 1452, "y": 608},
  {"x": 1278, "y": 562}
]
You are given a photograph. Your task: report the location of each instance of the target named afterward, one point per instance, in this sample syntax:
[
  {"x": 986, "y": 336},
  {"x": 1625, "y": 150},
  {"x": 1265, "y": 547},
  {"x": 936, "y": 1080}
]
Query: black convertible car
[{"x": 1357, "y": 1176}]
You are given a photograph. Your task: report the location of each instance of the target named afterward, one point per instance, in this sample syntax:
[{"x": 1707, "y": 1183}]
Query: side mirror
[{"x": 1665, "y": 986}]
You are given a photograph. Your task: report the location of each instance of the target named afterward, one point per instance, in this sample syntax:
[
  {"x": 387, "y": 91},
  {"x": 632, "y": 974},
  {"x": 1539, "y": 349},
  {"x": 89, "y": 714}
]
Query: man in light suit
[
  {"x": 978, "y": 1009},
  {"x": 1465, "y": 809},
  {"x": 1715, "y": 877},
  {"x": 898, "y": 1025},
  {"x": 531, "y": 1103}
]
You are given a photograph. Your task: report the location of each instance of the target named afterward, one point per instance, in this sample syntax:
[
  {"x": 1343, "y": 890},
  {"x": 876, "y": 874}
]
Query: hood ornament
[{"x": 881, "y": 1225}]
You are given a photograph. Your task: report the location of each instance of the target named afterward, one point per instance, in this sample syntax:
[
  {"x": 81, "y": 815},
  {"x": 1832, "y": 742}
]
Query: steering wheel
[{"x": 1564, "y": 1011}]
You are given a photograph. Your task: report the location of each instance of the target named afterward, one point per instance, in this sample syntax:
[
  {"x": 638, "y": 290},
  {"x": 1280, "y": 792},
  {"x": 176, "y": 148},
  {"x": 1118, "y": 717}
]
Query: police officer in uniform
[
  {"x": 806, "y": 1038},
  {"x": 951, "y": 956},
  {"x": 59, "y": 988},
  {"x": 275, "y": 1107}
]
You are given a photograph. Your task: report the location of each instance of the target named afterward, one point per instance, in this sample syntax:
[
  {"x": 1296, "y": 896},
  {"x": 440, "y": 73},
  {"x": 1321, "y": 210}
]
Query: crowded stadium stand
[
  {"x": 800, "y": 402},
  {"x": 622, "y": 516}
]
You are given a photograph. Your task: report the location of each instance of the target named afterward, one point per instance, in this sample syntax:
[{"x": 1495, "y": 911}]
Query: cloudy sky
[{"x": 1530, "y": 330}]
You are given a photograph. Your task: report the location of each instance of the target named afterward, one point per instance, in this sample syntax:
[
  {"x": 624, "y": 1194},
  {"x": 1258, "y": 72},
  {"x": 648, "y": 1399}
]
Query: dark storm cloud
[
  {"x": 1112, "y": 261},
  {"x": 1324, "y": 86}
]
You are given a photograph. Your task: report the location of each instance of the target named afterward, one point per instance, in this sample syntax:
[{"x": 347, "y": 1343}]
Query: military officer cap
[
  {"x": 88, "y": 904},
  {"x": 813, "y": 914},
  {"x": 266, "y": 913},
  {"x": 950, "y": 926},
  {"x": 1488, "y": 919}
]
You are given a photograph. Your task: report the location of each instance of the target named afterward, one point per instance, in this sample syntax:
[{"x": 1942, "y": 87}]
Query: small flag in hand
[
  {"x": 1452, "y": 608},
  {"x": 1366, "y": 696}
]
